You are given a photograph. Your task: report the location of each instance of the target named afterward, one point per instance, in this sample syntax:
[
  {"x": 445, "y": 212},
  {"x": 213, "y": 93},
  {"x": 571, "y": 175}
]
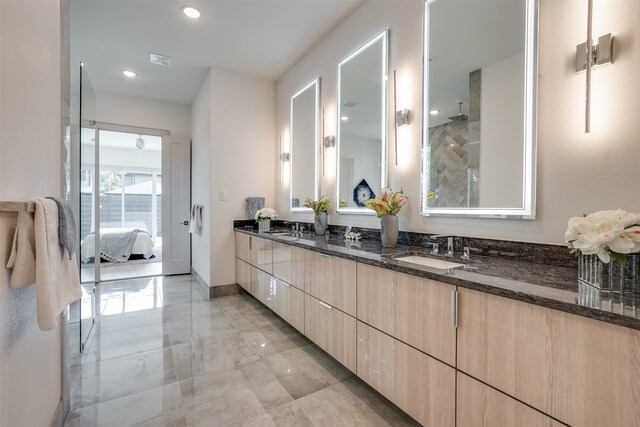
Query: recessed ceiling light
[
  {"x": 191, "y": 12},
  {"x": 344, "y": 118},
  {"x": 434, "y": 112},
  {"x": 129, "y": 73}
]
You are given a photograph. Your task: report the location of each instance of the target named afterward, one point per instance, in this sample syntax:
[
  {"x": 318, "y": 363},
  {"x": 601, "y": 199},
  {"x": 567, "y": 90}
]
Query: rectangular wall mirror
[
  {"x": 480, "y": 70},
  {"x": 305, "y": 105},
  {"x": 362, "y": 125}
]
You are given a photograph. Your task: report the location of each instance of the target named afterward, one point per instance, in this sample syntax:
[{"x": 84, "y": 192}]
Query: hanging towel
[
  {"x": 67, "y": 229},
  {"x": 196, "y": 218},
  {"x": 37, "y": 256}
]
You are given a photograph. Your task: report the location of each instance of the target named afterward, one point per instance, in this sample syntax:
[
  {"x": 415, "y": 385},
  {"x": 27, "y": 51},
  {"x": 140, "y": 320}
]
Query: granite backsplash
[{"x": 553, "y": 255}]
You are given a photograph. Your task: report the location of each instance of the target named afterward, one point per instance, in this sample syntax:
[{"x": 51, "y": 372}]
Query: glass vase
[
  {"x": 264, "y": 226},
  {"x": 612, "y": 276}
]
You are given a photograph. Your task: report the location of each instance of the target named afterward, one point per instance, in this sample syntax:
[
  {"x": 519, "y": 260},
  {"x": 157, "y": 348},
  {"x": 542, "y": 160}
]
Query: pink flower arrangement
[{"x": 387, "y": 202}]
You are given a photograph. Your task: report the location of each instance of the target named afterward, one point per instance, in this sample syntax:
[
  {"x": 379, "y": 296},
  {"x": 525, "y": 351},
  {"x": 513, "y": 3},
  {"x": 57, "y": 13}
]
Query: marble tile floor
[{"x": 163, "y": 354}]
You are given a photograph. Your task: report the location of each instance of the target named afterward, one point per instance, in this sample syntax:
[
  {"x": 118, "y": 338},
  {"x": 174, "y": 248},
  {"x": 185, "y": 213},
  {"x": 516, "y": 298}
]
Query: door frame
[{"x": 110, "y": 127}]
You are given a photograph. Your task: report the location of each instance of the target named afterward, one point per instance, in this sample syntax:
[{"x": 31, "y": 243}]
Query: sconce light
[
  {"x": 402, "y": 117},
  {"x": 589, "y": 55},
  {"x": 285, "y": 157},
  {"x": 329, "y": 141}
]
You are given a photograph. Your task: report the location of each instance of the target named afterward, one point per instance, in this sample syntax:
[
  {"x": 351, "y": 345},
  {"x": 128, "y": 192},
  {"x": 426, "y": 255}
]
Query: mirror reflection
[
  {"x": 304, "y": 143},
  {"x": 479, "y": 104},
  {"x": 362, "y": 88}
]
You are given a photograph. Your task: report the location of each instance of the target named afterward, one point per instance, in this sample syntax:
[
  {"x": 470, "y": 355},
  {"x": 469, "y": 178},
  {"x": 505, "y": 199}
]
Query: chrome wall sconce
[
  {"x": 589, "y": 55},
  {"x": 328, "y": 141},
  {"x": 402, "y": 117},
  {"x": 285, "y": 157}
]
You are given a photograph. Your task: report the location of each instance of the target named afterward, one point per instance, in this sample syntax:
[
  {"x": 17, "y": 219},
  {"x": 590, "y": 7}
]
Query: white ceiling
[{"x": 263, "y": 38}]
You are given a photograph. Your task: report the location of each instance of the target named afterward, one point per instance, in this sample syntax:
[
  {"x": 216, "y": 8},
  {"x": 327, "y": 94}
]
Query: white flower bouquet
[
  {"x": 608, "y": 234},
  {"x": 265, "y": 214}
]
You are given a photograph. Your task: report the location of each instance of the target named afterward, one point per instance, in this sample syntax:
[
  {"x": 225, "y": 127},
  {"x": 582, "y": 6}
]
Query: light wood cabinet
[
  {"x": 580, "y": 371},
  {"x": 289, "y": 304},
  {"x": 478, "y": 405},
  {"x": 242, "y": 247},
  {"x": 289, "y": 264},
  {"x": 420, "y": 385},
  {"x": 263, "y": 287},
  {"x": 332, "y": 330},
  {"x": 332, "y": 280},
  {"x": 260, "y": 253},
  {"x": 243, "y": 275},
  {"x": 412, "y": 309}
]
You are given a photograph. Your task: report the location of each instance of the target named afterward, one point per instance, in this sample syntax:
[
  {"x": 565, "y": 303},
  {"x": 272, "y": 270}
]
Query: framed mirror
[
  {"x": 478, "y": 152},
  {"x": 305, "y": 105},
  {"x": 362, "y": 125}
]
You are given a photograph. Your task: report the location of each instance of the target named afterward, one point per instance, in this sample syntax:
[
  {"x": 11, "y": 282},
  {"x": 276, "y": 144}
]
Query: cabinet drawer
[
  {"x": 243, "y": 275},
  {"x": 420, "y": 385},
  {"x": 332, "y": 280},
  {"x": 286, "y": 264},
  {"x": 580, "y": 371},
  {"x": 412, "y": 309},
  {"x": 242, "y": 246},
  {"x": 332, "y": 330},
  {"x": 481, "y": 406},
  {"x": 288, "y": 303},
  {"x": 263, "y": 287},
  {"x": 261, "y": 255}
]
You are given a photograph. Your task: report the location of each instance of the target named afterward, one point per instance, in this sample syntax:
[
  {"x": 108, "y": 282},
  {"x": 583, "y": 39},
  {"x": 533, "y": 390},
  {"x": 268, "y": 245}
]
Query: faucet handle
[{"x": 466, "y": 253}]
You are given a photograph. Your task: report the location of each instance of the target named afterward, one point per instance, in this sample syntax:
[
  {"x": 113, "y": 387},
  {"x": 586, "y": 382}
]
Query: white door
[{"x": 176, "y": 190}]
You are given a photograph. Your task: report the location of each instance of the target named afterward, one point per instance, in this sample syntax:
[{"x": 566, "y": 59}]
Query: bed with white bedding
[{"x": 142, "y": 244}]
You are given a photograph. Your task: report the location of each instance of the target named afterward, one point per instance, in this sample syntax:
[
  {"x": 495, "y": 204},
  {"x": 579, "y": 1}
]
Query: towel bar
[{"x": 17, "y": 207}]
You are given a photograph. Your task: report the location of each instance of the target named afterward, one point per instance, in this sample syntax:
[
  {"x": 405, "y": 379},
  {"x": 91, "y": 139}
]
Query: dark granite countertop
[{"x": 544, "y": 285}]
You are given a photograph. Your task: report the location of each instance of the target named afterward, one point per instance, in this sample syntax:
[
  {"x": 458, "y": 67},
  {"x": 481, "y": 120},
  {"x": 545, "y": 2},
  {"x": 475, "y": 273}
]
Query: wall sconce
[
  {"x": 589, "y": 55},
  {"x": 328, "y": 141},
  {"x": 285, "y": 157},
  {"x": 402, "y": 117}
]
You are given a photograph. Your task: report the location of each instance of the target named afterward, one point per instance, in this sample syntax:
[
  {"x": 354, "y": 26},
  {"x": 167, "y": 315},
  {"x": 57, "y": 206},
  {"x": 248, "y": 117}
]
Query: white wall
[
  {"x": 30, "y": 164},
  {"x": 143, "y": 112},
  {"x": 501, "y": 136},
  {"x": 201, "y": 178},
  {"x": 242, "y": 151},
  {"x": 577, "y": 172}
]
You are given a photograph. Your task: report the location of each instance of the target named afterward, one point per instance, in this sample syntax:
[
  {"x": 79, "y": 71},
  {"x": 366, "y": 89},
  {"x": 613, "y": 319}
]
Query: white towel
[
  {"x": 36, "y": 256},
  {"x": 196, "y": 219}
]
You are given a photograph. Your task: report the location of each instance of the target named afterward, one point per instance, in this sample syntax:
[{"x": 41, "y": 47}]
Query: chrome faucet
[
  {"x": 434, "y": 248},
  {"x": 449, "y": 242}
]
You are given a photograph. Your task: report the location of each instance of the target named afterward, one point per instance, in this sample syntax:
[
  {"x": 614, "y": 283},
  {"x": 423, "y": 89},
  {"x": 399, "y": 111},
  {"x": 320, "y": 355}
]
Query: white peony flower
[
  {"x": 603, "y": 233},
  {"x": 266, "y": 213}
]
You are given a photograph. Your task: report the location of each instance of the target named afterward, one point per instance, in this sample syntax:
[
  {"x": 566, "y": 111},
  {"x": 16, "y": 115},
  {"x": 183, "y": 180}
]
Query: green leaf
[{"x": 621, "y": 258}]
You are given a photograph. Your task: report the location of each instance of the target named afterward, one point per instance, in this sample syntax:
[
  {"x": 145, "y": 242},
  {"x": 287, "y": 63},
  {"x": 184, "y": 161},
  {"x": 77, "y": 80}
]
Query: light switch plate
[{"x": 222, "y": 195}]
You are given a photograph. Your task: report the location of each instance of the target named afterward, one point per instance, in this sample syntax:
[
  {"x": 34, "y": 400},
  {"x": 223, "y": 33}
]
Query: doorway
[
  {"x": 122, "y": 198},
  {"x": 123, "y": 201}
]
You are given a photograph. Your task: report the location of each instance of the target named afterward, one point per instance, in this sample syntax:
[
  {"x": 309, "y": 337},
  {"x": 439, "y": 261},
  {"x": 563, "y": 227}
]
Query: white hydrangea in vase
[{"x": 264, "y": 217}]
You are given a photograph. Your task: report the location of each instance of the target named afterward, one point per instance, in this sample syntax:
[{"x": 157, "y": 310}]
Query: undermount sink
[
  {"x": 284, "y": 235},
  {"x": 430, "y": 262}
]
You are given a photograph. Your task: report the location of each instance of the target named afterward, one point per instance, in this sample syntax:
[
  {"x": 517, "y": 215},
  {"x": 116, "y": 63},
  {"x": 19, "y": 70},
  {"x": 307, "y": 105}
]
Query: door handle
[{"x": 184, "y": 223}]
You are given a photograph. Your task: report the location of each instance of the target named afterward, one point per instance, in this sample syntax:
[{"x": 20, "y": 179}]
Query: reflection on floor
[
  {"x": 164, "y": 354},
  {"x": 122, "y": 271}
]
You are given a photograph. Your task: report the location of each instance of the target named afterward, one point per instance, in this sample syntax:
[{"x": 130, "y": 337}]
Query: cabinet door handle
[
  {"x": 325, "y": 305},
  {"x": 324, "y": 255},
  {"x": 454, "y": 309},
  {"x": 250, "y": 242}
]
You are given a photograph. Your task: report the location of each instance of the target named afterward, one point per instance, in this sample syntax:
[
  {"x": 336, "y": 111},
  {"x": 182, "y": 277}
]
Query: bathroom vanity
[{"x": 493, "y": 342}]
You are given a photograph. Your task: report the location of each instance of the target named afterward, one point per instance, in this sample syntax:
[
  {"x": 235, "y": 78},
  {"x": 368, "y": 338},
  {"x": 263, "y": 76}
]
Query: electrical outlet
[{"x": 222, "y": 195}]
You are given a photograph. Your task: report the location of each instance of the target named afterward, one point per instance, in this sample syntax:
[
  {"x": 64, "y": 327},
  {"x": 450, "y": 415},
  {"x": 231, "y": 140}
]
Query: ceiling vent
[{"x": 154, "y": 58}]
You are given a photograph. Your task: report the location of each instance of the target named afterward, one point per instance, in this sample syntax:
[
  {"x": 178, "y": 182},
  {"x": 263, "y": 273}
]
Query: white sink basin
[{"x": 430, "y": 262}]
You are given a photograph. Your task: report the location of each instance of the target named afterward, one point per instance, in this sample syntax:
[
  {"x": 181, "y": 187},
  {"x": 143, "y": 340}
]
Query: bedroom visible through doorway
[{"x": 121, "y": 201}]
